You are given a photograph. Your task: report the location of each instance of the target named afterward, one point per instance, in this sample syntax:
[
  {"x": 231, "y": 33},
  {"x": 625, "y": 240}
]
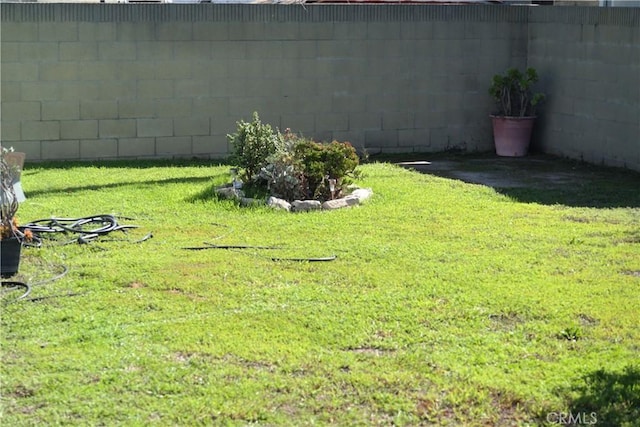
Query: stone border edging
[{"x": 356, "y": 197}]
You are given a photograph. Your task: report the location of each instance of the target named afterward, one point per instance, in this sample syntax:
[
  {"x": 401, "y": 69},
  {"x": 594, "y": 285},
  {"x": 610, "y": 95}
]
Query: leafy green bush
[
  {"x": 251, "y": 145},
  {"x": 323, "y": 162}
]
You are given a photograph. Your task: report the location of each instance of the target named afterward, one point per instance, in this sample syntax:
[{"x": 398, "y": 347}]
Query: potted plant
[
  {"x": 11, "y": 237},
  {"x": 517, "y": 102}
]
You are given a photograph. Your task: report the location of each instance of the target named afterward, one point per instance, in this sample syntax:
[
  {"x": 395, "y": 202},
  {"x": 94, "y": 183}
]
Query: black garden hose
[
  {"x": 108, "y": 224},
  {"x": 213, "y": 246},
  {"x": 320, "y": 259},
  {"x": 88, "y": 228},
  {"x": 13, "y": 285},
  {"x": 237, "y": 247}
]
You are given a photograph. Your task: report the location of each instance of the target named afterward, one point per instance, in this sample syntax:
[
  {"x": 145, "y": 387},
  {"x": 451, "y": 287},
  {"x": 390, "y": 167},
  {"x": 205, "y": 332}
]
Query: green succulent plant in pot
[{"x": 517, "y": 103}]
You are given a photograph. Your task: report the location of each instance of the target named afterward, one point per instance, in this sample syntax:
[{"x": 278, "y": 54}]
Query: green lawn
[{"x": 449, "y": 304}]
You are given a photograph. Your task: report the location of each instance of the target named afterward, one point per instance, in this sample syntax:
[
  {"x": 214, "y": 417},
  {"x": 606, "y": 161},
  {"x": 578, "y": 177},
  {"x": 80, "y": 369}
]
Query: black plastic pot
[{"x": 9, "y": 256}]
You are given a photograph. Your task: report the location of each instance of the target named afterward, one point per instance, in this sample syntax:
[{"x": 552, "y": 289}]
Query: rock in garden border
[{"x": 356, "y": 197}]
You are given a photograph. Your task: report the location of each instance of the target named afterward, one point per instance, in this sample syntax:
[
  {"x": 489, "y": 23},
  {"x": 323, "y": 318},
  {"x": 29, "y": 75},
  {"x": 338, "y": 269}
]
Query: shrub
[
  {"x": 322, "y": 162},
  {"x": 284, "y": 174},
  {"x": 251, "y": 145}
]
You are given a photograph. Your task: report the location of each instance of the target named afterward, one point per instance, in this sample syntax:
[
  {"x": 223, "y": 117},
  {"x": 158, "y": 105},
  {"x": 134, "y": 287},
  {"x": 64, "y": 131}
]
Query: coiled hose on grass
[{"x": 87, "y": 229}]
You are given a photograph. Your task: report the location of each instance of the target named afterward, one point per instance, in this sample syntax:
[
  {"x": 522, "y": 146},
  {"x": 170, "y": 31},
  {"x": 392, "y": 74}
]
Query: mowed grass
[{"x": 448, "y": 304}]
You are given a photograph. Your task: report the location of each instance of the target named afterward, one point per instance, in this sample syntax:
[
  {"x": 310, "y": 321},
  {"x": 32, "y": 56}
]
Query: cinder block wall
[
  {"x": 589, "y": 60},
  {"x": 130, "y": 81},
  {"x": 99, "y": 81}
]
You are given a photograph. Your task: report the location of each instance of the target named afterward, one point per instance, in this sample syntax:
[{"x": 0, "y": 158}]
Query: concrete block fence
[
  {"x": 590, "y": 62},
  {"x": 107, "y": 81}
]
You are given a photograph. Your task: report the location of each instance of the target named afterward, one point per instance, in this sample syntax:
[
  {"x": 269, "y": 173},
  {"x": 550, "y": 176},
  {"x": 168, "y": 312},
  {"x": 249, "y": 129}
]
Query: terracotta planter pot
[
  {"x": 9, "y": 256},
  {"x": 512, "y": 135}
]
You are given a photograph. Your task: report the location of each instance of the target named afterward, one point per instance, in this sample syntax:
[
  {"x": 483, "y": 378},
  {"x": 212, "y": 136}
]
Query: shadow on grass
[
  {"x": 610, "y": 398},
  {"x": 32, "y": 170},
  {"x": 206, "y": 194},
  {"x": 533, "y": 179},
  {"x": 130, "y": 164},
  {"x": 71, "y": 189},
  {"x": 539, "y": 179},
  {"x": 623, "y": 195},
  {"x": 209, "y": 193},
  {"x": 580, "y": 185}
]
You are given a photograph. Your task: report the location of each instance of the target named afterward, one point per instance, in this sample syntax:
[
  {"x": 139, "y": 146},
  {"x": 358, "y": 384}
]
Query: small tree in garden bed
[
  {"x": 252, "y": 144},
  {"x": 292, "y": 167}
]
